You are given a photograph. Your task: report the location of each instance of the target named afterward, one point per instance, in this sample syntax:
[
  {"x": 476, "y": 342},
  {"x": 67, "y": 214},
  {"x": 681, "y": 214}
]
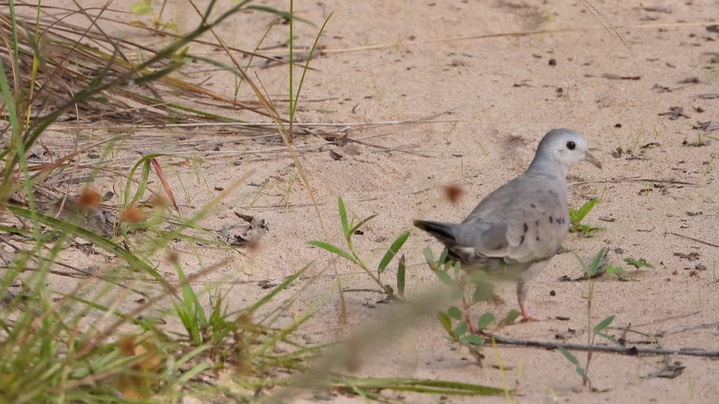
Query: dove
[{"x": 516, "y": 230}]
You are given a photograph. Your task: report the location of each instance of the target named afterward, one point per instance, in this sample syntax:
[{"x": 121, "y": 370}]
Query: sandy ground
[{"x": 451, "y": 104}]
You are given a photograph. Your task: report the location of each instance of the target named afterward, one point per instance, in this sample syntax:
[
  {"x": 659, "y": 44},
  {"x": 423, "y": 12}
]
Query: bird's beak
[{"x": 590, "y": 158}]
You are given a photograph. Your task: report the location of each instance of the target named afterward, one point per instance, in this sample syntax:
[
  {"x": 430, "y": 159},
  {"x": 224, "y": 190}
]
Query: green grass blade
[
  {"x": 584, "y": 210},
  {"x": 584, "y": 266},
  {"x": 188, "y": 375},
  {"x": 594, "y": 266},
  {"x": 401, "y": 276},
  {"x": 570, "y": 356},
  {"x": 361, "y": 223},
  {"x": 343, "y": 217},
  {"x": 393, "y": 249},
  {"x": 307, "y": 65},
  {"x": 603, "y": 325},
  {"x": 10, "y": 106},
  {"x": 333, "y": 249},
  {"x": 277, "y": 289},
  {"x": 441, "y": 387}
]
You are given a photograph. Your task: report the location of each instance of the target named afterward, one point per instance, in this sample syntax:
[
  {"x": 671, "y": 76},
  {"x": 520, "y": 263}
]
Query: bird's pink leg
[
  {"x": 524, "y": 313},
  {"x": 525, "y": 316}
]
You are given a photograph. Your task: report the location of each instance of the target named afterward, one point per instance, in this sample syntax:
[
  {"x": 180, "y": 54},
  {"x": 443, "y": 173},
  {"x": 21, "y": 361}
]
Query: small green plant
[
  {"x": 638, "y": 263},
  {"x": 349, "y": 228},
  {"x": 466, "y": 288},
  {"x": 141, "y": 8},
  {"x": 620, "y": 272},
  {"x": 599, "y": 329},
  {"x": 577, "y": 215}
]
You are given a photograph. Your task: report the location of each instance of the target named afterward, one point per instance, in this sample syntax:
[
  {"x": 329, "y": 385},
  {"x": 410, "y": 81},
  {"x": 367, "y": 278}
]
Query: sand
[{"x": 433, "y": 93}]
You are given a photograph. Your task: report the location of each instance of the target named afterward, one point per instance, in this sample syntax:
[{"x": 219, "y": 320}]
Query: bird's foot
[
  {"x": 529, "y": 318},
  {"x": 525, "y": 316}
]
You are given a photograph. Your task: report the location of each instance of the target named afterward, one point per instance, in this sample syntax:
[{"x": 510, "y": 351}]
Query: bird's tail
[{"x": 444, "y": 232}]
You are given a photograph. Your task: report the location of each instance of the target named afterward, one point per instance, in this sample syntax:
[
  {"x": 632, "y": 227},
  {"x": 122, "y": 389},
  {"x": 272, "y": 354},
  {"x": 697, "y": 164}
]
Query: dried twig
[
  {"x": 692, "y": 238},
  {"x": 631, "y": 351}
]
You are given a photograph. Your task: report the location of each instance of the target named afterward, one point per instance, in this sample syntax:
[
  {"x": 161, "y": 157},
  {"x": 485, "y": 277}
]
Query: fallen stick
[{"x": 631, "y": 351}]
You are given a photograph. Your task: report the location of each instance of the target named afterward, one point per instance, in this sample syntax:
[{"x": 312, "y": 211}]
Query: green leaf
[
  {"x": 638, "y": 263},
  {"x": 461, "y": 328},
  {"x": 333, "y": 249},
  {"x": 392, "y": 251},
  {"x": 443, "y": 257},
  {"x": 445, "y": 278},
  {"x": 510, "y": 317},
  {"x": 170, "y": 25},
  {"x": 455, "y": 313},
  {"x": 483, "y": 292},
  {"x": 401, "y": 276},
  {"x": 577, "y": 215},
  {"x": 445, "y": 320},
  {"x": 456, "y": 293},
  {"x": 457, "y": 267},
  {"x": 343, "y": 217},
  {"x": 594, "y": 266},
  {"x": 478, "y": 277},
  {"x": 570, "y": 356},
  {"x": 429, "y": 257},
  {"x": 144, "y": 165},
  {"x": 614, "y": 270},
  {"x": 604, "y": 324},
  {"x": 141, "y": 8},
  {"x": 473, "y": 339},
  {"x": 485, "y": 320},
  {"x": 573, "y": 359}
]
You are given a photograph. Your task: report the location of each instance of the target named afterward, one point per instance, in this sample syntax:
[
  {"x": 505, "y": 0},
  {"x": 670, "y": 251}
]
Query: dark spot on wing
[
  {"x": 537, "y": 238},
  {"x": 521, "y": 240},
  {"x": 551, "y": 219},
  {"x": 537, "y": 222},
  {"x": 533, "y": 206},
  {"x": 526, "y": 228}
]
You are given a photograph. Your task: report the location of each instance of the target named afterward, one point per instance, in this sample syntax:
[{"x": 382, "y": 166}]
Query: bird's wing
[{"x": 524, "y": 221}]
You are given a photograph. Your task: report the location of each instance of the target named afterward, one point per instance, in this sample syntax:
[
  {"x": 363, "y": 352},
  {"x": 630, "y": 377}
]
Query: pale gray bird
[{"x": 516, "y": 230}]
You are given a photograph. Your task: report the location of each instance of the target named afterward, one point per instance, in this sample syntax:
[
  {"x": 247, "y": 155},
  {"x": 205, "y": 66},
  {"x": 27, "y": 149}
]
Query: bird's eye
[{"x": 571, "y": 145}]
